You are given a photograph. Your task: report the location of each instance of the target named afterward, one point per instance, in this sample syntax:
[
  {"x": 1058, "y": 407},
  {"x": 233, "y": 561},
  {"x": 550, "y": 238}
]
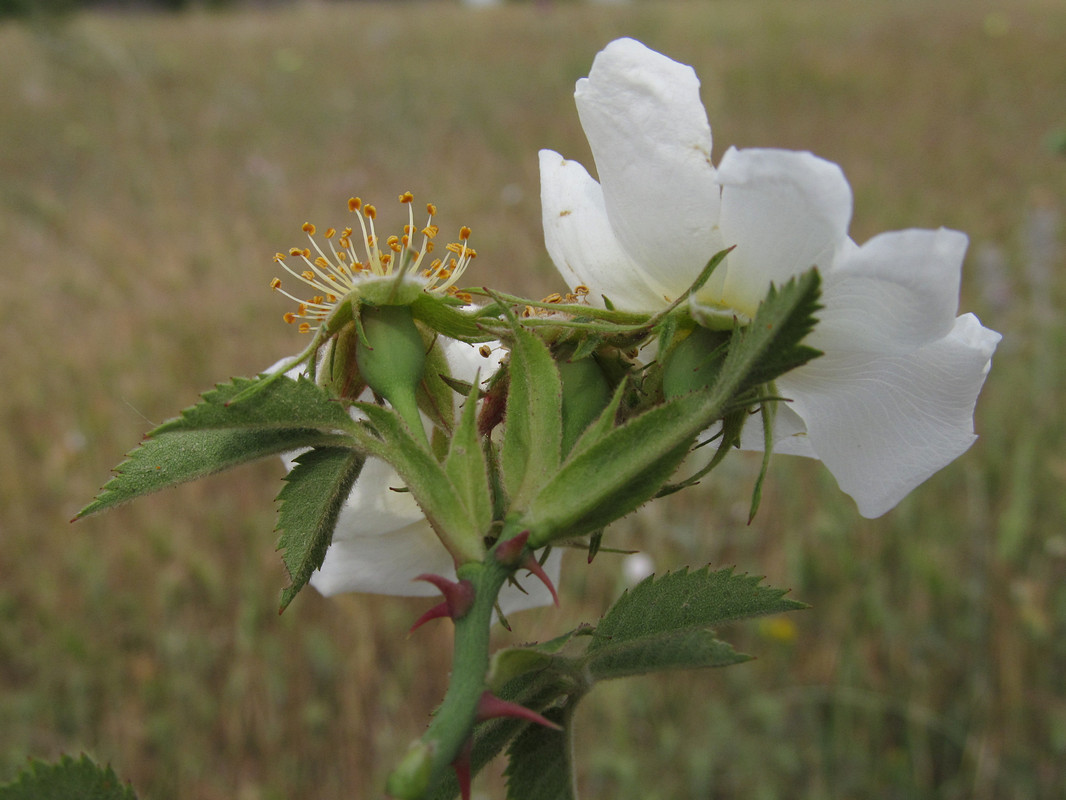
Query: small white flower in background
[
  {"x": 382, "y": 541},
  {"x": 636, "y": 567},
  {"x": 891, "y": 400}
]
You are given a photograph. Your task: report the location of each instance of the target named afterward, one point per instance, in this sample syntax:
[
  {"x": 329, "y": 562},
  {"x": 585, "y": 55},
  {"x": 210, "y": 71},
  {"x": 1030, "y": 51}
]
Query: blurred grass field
[{"x": 150, "y": 166}]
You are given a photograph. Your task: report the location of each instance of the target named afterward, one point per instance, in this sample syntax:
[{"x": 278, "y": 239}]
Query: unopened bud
[
  {"x": 585, "y": 394},
  {"x": 410, "y": 780},
  {"x": 694, "y": 363}
]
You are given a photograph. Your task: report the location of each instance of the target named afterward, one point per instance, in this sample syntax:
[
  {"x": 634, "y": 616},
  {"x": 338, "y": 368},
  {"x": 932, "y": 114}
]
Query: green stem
[{"x": 453, "y": 722}]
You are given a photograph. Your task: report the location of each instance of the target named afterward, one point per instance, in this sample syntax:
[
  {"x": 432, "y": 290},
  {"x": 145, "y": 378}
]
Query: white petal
[
  {"x": 465, "y": 360},
  {"x": 897, "y": 292},
  {"x": 582, "y": 243},
  {"x": 651, "y": 141},
  {"x": 386, "y": 564},
  {"x": 882, "y": 425},
  {"x": 786, "y": 212},
  {"x": 790, "y": 433}
]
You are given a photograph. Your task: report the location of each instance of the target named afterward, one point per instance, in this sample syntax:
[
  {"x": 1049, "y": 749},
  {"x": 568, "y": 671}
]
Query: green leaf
[
  {"x": 467, "y": 467},
  {"x": 310, "y": 502},
  {"x": 168, "y": 459},
  {"x": 541, "y": 762},
  {"x": 691, "y": 649},
  {"x": 532, "y": 438},
  {"x": 284, "y": 403},
  {"x": 67, "y": 780},
  {"x": 684, "y": 601}
]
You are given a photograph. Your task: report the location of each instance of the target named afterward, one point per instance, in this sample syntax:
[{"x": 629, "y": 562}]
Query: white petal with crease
[
  {"x": 883, "y": 425},
  {"x": 786, "y": 212},
  {"x": 650, "y": 139},
  {"x": 897, "y": 292},
  {"x": 582, "y": 243}
]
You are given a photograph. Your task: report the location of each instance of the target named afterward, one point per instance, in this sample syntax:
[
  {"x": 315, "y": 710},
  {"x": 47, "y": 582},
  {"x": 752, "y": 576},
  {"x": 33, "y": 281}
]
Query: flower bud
[
  {"x": 694, "y": 363},
  {"x": 410, "y": 780},
  {"x": 585, "y": 394}
]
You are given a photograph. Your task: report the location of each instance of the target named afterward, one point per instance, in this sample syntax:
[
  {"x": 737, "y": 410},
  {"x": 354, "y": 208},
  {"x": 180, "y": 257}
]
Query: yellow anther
[
  {"x": 296, "y": 251},
  {"x": 331, "y": 298},
  {"x": 485, "y": 351},
  {"x": 321, "y": 262},
  {"x": 330, "y": 232},
  {"x": 431, "y": 209},
  {"x": 464, "y": 233},
  {"x": 342, "y": 257},
  {"x": 289, "y": 317},
  {"x": 354, "y": 203},
  {"x": 406, "y": 197},
  {"x": 279, "y": 257},
  {"x": 276, "y": 283},
  {"x": 370, "y": 212},
  {"x": 430, "y": 231},
  {"x": 309, "y": 229},
  {"x": 581, "y": 290},
  {"x": 304, "y": 327},
  {"x": 346, "y": 233},
  {"x": 301, "y": 310},
  {"x": 308, "y": 274},
  {"x": 554, "y": 297},
  {"x": 394, "y": 243}
]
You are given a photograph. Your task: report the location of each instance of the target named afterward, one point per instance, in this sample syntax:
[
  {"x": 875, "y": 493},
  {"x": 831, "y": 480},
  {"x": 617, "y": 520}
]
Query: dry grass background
[{"x": 151, "y": 165}]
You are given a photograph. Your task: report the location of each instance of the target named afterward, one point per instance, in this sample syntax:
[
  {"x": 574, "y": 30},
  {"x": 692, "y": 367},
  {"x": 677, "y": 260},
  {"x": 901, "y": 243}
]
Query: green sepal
[
  {"x": 532, "y": 438},
  {"x": 770, "y": 345},
  {"x": 309, "y": 503},
  {"x": 429, "y": 482},
  {"x": 82, "y": 779},
  {"x": 168, "y": 459},
  {"x": 442, "y": 315},
  {"x": 467, "y": 467},
  {"x": 606, "y": 479}
]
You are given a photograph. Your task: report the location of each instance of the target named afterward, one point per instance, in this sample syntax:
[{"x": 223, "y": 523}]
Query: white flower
[
  {"x": 891, "y": 400},
  {"x": 382, "y": 541}
]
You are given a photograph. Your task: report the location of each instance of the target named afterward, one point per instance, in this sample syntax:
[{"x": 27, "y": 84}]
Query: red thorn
[
  {"x": 461, "y": 765},
  {"x": 510, "y": 552},
  {"x": 458, "y": 598},
  {"x": 491, "y": 707},
  {"x": 438, "y": 611},
  {"x": 530, "y": 563}
]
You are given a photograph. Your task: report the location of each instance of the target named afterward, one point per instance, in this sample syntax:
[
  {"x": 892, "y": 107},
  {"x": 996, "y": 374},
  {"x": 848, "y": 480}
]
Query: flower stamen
[{"x": 334, "y": 273}]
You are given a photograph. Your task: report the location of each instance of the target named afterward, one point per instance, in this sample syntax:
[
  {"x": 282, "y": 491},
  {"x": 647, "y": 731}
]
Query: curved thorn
[
  {"x": 438, "y": 611},
  {"x": 530, "y": 563},
  {"x": 461, "y": 765},
  {"x": 492, "y": 707},
  {"x": 510, "y": 552}
]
